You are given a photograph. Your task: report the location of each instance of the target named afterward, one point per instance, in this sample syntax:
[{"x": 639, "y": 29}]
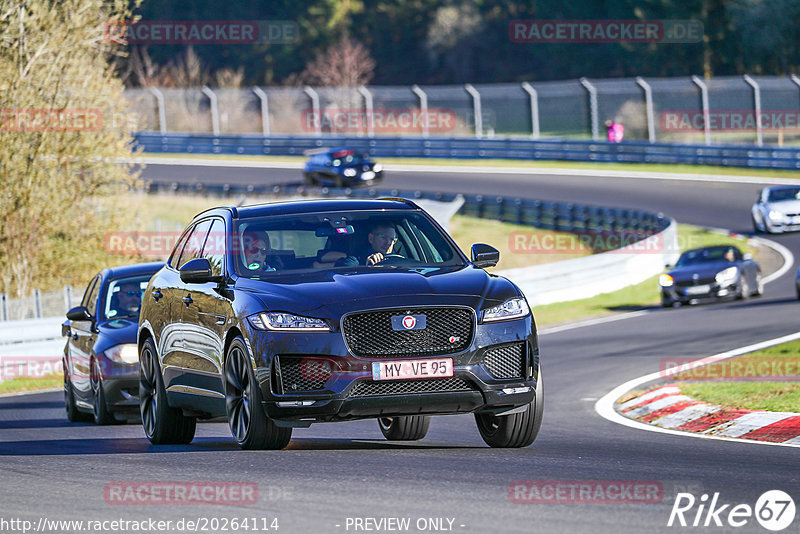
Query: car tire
[
  {"x": 759, "y": 290},
  {"x": 74, "y": 415},
  {"x": 102, "y": 415},
  {"x": 404, "y": 428},
  {"x": 249, "y": 424},
  {"x": 310, "y": 180},
  {"x": 162, "y": 424},
  {"x": 756, "y": 229},
  {"x": 515, "y": 430}
]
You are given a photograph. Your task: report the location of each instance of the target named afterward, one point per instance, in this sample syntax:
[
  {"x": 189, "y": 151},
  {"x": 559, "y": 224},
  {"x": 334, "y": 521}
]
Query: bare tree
[{"x": 348, "y": 63}]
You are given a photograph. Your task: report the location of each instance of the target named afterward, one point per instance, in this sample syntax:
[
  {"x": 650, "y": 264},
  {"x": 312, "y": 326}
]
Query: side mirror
[
  {"x": 79, "y": 313},
  {"x": 747, "y": 256},
  {"x": 484, "y": 255},
  {"x": 668, "y": 266},
  {"x": 198, "y": 271}
]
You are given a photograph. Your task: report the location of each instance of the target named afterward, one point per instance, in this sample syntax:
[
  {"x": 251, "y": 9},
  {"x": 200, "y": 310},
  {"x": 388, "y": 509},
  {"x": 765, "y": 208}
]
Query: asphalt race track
[{"x": 334, "y": 474}]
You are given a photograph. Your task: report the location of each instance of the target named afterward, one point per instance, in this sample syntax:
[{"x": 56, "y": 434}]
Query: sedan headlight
[
  {"x": 377, "y": 167},
  {"x": 727, "y": 276},
  {"x": 125, "y": 353},
  {"x": 510, "y": 309},
  {"x": 287, "y": 322},
  {"x": 775, "y": 215},
  {"x": 350, "y": 172},
  {"x": 665, "y": 280}
]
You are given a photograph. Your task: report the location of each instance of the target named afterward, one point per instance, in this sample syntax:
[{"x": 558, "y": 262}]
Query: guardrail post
[
  {"x": 476, "y": 109},
  {"x": 262, "y": 96},
  {"x": 67, "y": 298},
  {"x": 534, "y": 98},
  {"x": 312, "y": 94},
  {"x": 368, "y": 107},
  {"x": 704, "y": 102},
  {"x": 423, "y": 108},
  {"x": 162, "y": 112},
  {"x": 592, "y": 107},
  {"x": 212, "y": 97},
  {"x": 3, "y": 307},
  {"x": 37, "y": 303},
  {"x": 648, "y": 103},
  {"x": 756, "y": 107}
]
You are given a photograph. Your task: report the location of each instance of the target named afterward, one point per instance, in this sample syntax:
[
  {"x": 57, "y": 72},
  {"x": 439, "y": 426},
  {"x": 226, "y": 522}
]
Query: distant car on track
[
  {"x": 334, "y": 310},
  {"x": 777, "y": 209},
  {"x": 341, "y": 167},
  {"x": 711, "y": 273},
  {"x": 101, "y": 363}
]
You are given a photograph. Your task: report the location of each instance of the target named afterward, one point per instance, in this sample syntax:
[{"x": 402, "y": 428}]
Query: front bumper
[
  {"x": 121, "y": 386},
  {"x": 685, "y": 294}
]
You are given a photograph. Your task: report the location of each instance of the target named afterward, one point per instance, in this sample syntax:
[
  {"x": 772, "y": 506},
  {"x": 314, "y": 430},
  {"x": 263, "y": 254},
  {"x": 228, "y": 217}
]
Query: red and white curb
[
  {"x": 666, "y": 410},
  {"x": 666, "y": 407}
]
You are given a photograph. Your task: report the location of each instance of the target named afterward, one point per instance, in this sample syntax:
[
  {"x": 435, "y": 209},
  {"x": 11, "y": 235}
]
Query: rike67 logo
[{"x": 774, "y": 510}]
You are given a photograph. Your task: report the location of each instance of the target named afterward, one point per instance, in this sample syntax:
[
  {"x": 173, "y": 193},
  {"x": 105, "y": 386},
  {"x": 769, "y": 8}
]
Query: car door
[{"x": 82, "y": 338}]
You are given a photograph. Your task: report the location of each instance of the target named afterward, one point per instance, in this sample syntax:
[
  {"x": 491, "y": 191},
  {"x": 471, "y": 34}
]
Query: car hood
[
  {"x": 703, "y": 270},
  {"x": 333, "y": 293},
  {"x": 785, "y": 206},
  {"x": 118, "y": 331}
]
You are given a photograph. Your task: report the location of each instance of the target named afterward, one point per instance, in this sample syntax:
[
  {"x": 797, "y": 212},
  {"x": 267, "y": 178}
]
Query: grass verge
[{"x": 22, "y": 384}]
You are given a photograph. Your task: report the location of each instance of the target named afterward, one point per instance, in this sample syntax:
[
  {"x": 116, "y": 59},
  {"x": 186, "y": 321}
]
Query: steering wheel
[{"x": 393, "y": 258}]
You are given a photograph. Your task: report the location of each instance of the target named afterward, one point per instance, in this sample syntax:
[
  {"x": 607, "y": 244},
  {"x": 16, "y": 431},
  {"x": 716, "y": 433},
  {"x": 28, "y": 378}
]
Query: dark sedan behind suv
[
  {"x": 101, "y": 362},
  {"x": 282, "y": 315}
]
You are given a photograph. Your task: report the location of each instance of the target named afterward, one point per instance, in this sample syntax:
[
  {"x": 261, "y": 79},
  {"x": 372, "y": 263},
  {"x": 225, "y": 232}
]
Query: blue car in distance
[{"x": 341, "y": 167}]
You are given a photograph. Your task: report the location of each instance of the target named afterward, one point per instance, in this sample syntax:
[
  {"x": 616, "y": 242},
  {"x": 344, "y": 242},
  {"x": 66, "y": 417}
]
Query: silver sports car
[{"x": 777, "y": 209}]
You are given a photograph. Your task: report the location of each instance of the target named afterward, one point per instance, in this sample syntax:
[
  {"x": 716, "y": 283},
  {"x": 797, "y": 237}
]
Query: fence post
[
  {"x": 37, "y": 303},
  {"x": 212, "y": 97},
  {"x": 67, "y": 298},
  {"x": 423, "y": 108},
  {"x": 756, "y": 107},
  {"x": 262, "y": 96},
  {"x": 534, "y": 97},
  {"x": 592, "y": 107},
  {"x": 3, "y": 307},
  {"x": 368, "y": 108},
  {"x": 312, "y": 94},
  {"x": 476, "y": 109},
  {"x": 704, "y": 102},
  {"x": 648, "y": 102},
  {"x": 162, "y": 112}
]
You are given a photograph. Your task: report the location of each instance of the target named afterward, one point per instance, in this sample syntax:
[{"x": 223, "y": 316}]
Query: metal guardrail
[
  {"x": 562, "y": 216},
  {"x": 465, "y": 148}
]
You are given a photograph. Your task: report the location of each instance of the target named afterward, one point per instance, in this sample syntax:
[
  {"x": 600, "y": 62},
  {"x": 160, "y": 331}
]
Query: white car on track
[{"x": 777, "y": 209}]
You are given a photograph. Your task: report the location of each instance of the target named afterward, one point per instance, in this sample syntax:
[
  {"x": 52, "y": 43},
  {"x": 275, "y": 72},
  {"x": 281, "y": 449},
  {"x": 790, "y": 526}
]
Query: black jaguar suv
[{"x": 281, "y": 315}]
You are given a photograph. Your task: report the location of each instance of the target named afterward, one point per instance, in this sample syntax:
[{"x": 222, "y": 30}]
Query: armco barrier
[{"x": 525, "y": 149}]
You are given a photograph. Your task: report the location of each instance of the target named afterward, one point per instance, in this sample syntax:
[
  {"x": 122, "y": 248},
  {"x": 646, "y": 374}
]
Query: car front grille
[
  {"x": 377, "y": 388},
  {"x": 304, "y": 373},
  {"x": 698, "y": 282},
  {"x": 447, "y": 330},
  {"x": 506, "y": 362}
]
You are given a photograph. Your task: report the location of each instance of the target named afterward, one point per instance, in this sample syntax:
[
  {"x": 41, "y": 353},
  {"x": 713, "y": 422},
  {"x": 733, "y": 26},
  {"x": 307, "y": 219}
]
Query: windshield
[
  {"x": 709, "y": 255},
  {"x": 789, "y": 193},
  {"x": 339, "y": 240},
  {"x": 124, "y": 297},
  {"x": 347, "y": 157}
]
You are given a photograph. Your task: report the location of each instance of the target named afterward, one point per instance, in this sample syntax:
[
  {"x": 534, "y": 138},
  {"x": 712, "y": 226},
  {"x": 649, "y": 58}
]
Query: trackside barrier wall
[{"x": 466, "y": 148}]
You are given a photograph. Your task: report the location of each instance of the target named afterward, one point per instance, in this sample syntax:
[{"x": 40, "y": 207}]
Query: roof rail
[
  {"x": 232, "y": 209},
  {"x": 403, "y": 200}
]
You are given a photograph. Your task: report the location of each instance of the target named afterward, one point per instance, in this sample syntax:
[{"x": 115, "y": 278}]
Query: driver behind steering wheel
[{"x": 382, "y": 239}]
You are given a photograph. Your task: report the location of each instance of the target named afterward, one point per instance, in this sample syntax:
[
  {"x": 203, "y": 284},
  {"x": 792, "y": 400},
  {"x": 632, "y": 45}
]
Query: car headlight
[
  {"x": 125, "y": 353},
  {"x": 377, "y": 167},
  {"x": 665, "y": 280},
  {"x": 727, "y": 276},
  {"x": 775, "y": 215},
  {"x": 350, "y": 172},
  {"x": 510, "y": 309},
  {"x": 287, "y": 322}
]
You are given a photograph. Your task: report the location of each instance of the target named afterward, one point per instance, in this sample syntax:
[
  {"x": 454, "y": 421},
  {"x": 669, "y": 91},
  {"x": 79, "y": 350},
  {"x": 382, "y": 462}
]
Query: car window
[
  {"x": 176, "y": 253},
  {"x": 778, "y": 195},
  {"x": 214, "y": 248},
  {"x": 194, "y": 242},
  {"x": 89, "y": 288},
  {"x": 124, "y": 297},
  {"x": 708, "y": 255},
  {"x": 90, "y": 300},
  {"x": 334, "y": 240}
]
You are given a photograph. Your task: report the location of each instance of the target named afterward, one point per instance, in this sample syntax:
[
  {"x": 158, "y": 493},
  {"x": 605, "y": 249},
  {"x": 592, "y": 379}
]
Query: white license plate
[
  {"x": 697, "y": 290},
  {"x": 408, "y": 369},
  {"x": 367, "y": 175}
]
